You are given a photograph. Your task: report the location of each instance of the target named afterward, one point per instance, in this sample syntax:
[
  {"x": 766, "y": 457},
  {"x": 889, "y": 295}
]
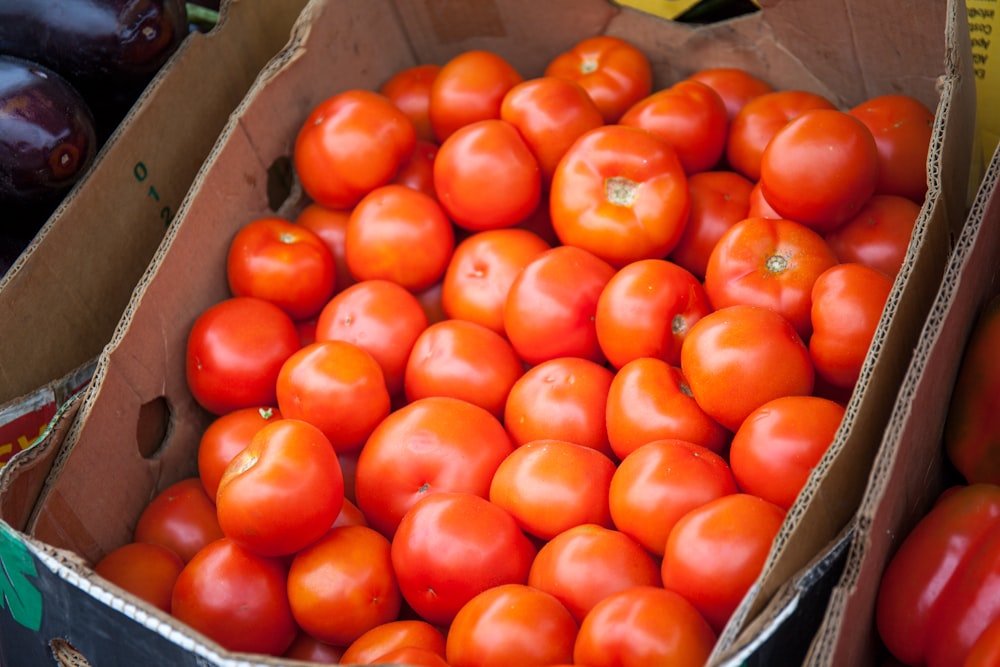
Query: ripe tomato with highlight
[{"x": 181, "y": 518}]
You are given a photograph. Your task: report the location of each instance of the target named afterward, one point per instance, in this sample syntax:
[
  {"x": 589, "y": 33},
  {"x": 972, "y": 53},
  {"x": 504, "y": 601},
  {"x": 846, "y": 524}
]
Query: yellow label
[
  {"x": 984, "y": 32},
  {"x": 667, "y": 9}
]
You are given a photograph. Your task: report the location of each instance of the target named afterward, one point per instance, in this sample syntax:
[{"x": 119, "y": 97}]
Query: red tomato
[
  {"x": 613, "y": 71},
  {"x": 749, "y": 347},
  {"x": 463, "y": 360},
  {"x": 452, "y": 546},
  {"x": 284, "y": 263},
  {"x": 985, "y": 652},
  {"x": 349, "y": 144},
  {"x": 330, "y": 224},
  {"x": 385, "y": 227},
  {"x": 511, "y": 624},
  {"x": 551, "y": 304},
  {"x": 550, "y": 113},
  {"x": 771, "y": 263},
  {"x": 343, "y": 585},
  {"x": 382, "y": 318},
  {"x": 650, "y": 399},
  {"x": 879, "y": 235},
  {"x": 585, "y": 564},
  {"x": 716, "y": 551},
  {"x": 410, "y": 90},
  {"x": 735, "y": 86},
  {"x": 759, "y": 208},
  {"x": 417, "y": 171},
  {"x": 310, "y": 649},
  {"x": 847, "y": 304},
  {"x": 756, "y": 122},
  {"x": 146, "y": 570},
  {"x": 486, "y": 176},
  {"x": 719, "y": 199},
  {"x": 431, "y": 301},
  {"x": 226, "y": 437},
  {"x": 283, "y": 491},
  {"x": 430, "y": 445},
  {"x": 181, "y": 518},
  {"x": 481, "y": 271},
  {"x": 621, "y": 193},
  {"x": 902, "y": 127},
  {"x": 337, "y": 387},
  {"x": 560, "y": 399},
  {"x": 690, "y": 116},
  {"x": 413, "y": 656},
  {"x": 646, "y": 310},
  {"x": 381, "y": 639},
  {"x": 644, "y": 625},
  {"x": 350, "y": 515},
  {"x": 820, "y": 168},
  {"x": 234, "y": 352},
  {"x": 549, "y": 486},
  {"x": 469, "y": 88},
  {"x": 661, "y": 481},
  {"x": 776, "y": 448},
  {"x": 236, "y": 598}
]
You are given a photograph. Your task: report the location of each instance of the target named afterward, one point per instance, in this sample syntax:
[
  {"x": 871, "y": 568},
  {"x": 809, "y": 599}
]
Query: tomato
[
  {"x": 417, "y": 171},
  {"x": 413, "y": 656},
  {"x": 621, "y": 193},
  {"x": 486, "y": 176},
  {"x": 719, "y": 199},
  {"x": 583, "y": 565},
  {"x": 410, "y": 90},
  {"x": 756, "y": 122},
  {"x": 236, "y": 598},
  {"x": 902, "y": 127},
  {"x": 820, "y": 168},
  {"x": 382, "y": 318},
  {"x": 452, "y": 546},
  {"x": 463, "y": 360},
  {"x": 847, "y": 304},
  {"x": 972, "y": 422},
  {"x": 646, "y": 310},
  {"x": 349, "y": 144},
  {"x": 481, "y": 271},
  {"x": 381, "y": 639},
  {"x": 330, "y": 225},
  {"x": 560, "y": 399},
  {"x": 986, "y": 649},
  {"x": 226, "y": 437},
  {"x": 343, "y": 585},
  {"x": 690, "y": 116},
  {"x": 650, "y": 399},
  {"x": 939, "y": 591},
  {"x": 283, "y": 491},
  {"x": 771, "y": 263},
  {"x": 181, "y": 518},
  {"x": 310, "y": 649},
  {"x": 234, "y": 352},
  {"x": 750, "y": 347},
  {"x": 879, "y": 235},
  {"x": 661, "y": 481},
  {"x": 384, "y": 228},
  {"x": 550, "y": 113},
  {"x": 470, "y": 87},
  {"x": 613, "y": 71},
  {"x": 549, "y": 486},
  {"x": 759, "y": 208},
  {"x": 776, "y": 448},
  {"x": 144, "y": 569},
  {"x": 337, "y": 387},
  {"x": 511, "y": 624},
  {"x": 551, "y": 303},
  {"x": 284, "y": 263},
  {"x": 433, "y": 444},
  {"x": 644, "y": 625},
  {"x": 715, "y": 552},
  {"x": 350, "y": 515},
  {"x": 734, "y": 85}
]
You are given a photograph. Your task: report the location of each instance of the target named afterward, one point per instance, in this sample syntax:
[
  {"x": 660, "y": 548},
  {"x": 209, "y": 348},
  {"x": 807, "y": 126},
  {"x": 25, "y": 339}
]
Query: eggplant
[
  {"x": 109, "y": 50},
  {"x": 47, "y": 141}
]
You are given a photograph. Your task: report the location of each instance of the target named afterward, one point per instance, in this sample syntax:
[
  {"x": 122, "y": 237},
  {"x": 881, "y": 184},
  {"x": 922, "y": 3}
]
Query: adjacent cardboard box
[{"x": 137, "y": 427}]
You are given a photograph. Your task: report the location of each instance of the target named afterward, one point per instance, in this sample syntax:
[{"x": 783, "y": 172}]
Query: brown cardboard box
[{"x": 137, "y": 427}]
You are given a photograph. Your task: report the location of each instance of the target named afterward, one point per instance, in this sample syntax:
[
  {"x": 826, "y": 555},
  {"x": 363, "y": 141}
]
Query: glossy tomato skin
[
  {"x": 145, "y": 569},
  {"x": 234, "y": 353},
  {"x": 330, "y": 224},
  {"x": 410, "y": 90},
  {"x": 452, "y": 546},
  {"x": 350, "y": 143},
  {"x": 621, "y": 193},
  {"x": 734, "y": 85},
  {"x": 879, "y": 235},
  {"x": 181, "y": 518},
  {"x": 470, "y": 87},
  {"x": 288, "y": 464},
  {"x": 381, "y": 639},
  {"x": 310, "y": 649},
  {"x": 417, "y": 171},
  {"x": 986, "y": 650},
  {"x": 224, "y": 438}
]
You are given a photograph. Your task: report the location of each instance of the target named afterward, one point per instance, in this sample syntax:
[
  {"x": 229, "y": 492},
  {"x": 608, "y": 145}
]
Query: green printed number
[
  {"x": 18, "y": 594},
  {"x": 141, "y": 174}
]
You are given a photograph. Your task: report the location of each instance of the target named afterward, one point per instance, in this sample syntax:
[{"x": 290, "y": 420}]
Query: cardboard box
[
  {"x": 61, "y": 300},
  {"x": 137, "y": 427}
]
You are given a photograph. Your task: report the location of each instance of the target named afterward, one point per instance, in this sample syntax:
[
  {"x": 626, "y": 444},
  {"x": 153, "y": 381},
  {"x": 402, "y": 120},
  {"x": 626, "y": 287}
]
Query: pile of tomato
[{"x": 538, "y": 371}]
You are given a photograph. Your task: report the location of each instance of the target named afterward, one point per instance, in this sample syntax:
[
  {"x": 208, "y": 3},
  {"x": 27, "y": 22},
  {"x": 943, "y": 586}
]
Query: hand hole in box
[
  {"x": 151, "y": 431},
  {"x": 65, "y": 655},
  {"x": 280, "y": 181}
]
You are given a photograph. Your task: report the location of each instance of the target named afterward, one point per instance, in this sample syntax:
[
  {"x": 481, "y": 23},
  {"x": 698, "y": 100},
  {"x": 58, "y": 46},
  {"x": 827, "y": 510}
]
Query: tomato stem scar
[
  {"x": 621, "y": 191},
  {"x": 776, "y": 263}
]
